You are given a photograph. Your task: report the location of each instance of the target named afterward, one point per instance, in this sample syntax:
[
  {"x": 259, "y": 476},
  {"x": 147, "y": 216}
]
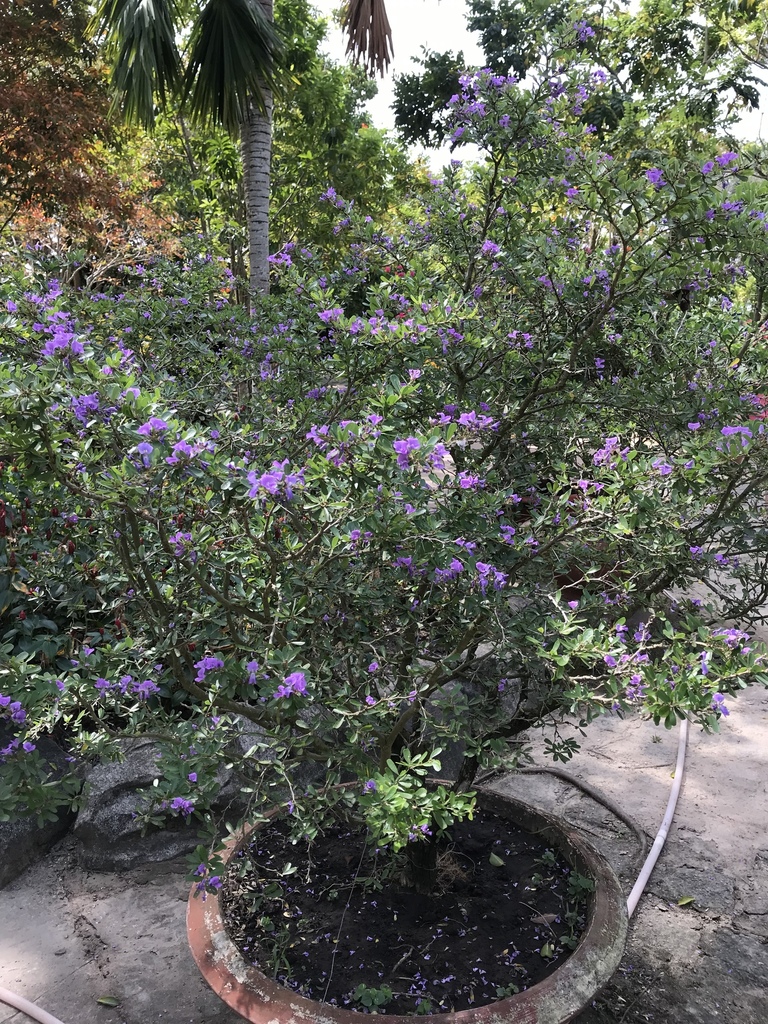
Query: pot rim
[{"x": 555, "y": 1000}]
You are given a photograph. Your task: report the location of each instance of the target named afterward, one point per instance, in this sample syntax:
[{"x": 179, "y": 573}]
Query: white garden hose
[
  {"x": 658, "y": 843},
  {"x": 19, "y": 1003}
]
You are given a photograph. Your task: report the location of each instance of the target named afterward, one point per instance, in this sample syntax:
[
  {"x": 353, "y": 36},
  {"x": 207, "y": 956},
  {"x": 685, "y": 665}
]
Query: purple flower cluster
[
  {"x": 583, "y": 30},
  {"x": 470, "y": 481},
  {"x": 331, "y": 315},
  {"x": 62, "y": 344},
  {"x": 732, "y": 637},
  {"x": 609, "y": 454},
  {"x": 154, "y": 427},
  {"x": 418, "y": 832},
  {"x": 182, "y": 543},
  {"x": 206, "y": 665},
  {"x": 488, "y": 574},
  {"x": 295, "y": 683},
  {"x": 84, "y": 406},
  {"x": 636, "y": 689},
  {"x": 126, "y": 684},
  {"x": 182, "y": 806},
  {"x": 453, "y": 570},
  {"x": 403, "y": 448},
  {"x": 472, "y": 421},
  {"x": 277, "y": 481}
]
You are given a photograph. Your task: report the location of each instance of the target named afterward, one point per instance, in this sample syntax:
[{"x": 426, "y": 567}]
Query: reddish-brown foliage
[{"x": 54, "y": 108}]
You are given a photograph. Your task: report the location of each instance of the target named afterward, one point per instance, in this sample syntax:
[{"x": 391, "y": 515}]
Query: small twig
[
  {"x": 538, "y": 913},
  {"x": 400, "y": 962},
  {"x": 341, "y": 922}
]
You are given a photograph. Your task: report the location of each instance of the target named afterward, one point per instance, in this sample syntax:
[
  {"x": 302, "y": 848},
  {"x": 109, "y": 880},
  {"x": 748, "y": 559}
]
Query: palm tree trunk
[{"x": 256, "y": 150}]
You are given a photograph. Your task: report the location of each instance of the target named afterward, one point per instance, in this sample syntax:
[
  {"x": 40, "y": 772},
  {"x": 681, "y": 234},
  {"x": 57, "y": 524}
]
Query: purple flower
[
  {"x": 489, "y": 573},
  {"x": 318, "y": 435},
  {"x": 373, "y": 667},
  {"x": 418, "y": 832},
  {"x": 655, "y": 176},
  {"x": 153, "y": 426},
  {"x": 276, "y": 480},
  {"x": 403, "y": 447},
  {"x": 583, "y": 31},
  {"x": 183, "y": 806},
  {"x": 331, "y": 315},
  {"x": 606, "y": 456},
  {"x": 726, "y": 158},
  {"x": 192, "y": 777},
  {"x": 296, "y": 682},
  {"x": 62, "y": 344},
  {"x": 252, "y": 668},
  {"x": 475, "y": 422},
  {"x": 180, "y": 541},
  {"x": 489, "y": 248},
  {"x": 636, "y": 689},
  {"x": 610, "y": 661},
  {"x": 206, "y": 665},
  {"x": 370, "y": 786},
  {"x": 662, "y": 466},
  {"x": 145, "y": 689},
  {"x": 469, "y": 482},
  {"x": 182, "y": 452},
  {"x": 18, "y": 714},
  {"x": 84, "y": 405},
  {"x": 718, "y": 704},
  {"x": 694, "y": 426},
  {"x": 707, "y": 167}
]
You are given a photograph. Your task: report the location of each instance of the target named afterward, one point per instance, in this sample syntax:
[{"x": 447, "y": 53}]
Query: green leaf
[
  {"x": 108, "y": 1001},
  {"x": 495, "y": 861},
  {"x": 685, "y": 901}
]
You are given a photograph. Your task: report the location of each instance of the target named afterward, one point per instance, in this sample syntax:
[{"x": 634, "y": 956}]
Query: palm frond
[
  {"x": 368, "y": 34},
  {"x": 231, "y": 64},
  {"x": 140, "y": 40}
]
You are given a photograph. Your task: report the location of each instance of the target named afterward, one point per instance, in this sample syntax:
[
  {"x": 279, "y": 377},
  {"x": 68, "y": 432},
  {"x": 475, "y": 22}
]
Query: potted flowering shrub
[{"x": 432, "y": 496}]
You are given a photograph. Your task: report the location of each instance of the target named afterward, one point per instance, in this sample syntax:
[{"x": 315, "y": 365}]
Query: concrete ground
[{"x": 69, "y": 937}]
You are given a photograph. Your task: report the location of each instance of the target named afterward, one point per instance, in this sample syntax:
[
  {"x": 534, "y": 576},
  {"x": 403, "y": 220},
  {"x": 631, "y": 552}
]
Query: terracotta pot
[{"x": 555, "y": 1000}]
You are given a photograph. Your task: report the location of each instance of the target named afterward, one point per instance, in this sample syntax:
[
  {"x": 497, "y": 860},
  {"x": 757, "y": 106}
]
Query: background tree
[
  {"x": 322, "y": 139},
  {"x": 678, "y": 71},
  {"x": 53, "y": 116},
  {"x": 226, "y": 79}
]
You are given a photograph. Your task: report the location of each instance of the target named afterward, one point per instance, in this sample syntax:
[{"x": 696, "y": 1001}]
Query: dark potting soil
[{"x": 505, "y": 913}]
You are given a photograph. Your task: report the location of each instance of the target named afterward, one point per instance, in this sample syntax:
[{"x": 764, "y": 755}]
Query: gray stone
[
  {"x": 710, "y": 887},
  {"x": 23, "y": 841},
  {"x": 108, "y": 833}
]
